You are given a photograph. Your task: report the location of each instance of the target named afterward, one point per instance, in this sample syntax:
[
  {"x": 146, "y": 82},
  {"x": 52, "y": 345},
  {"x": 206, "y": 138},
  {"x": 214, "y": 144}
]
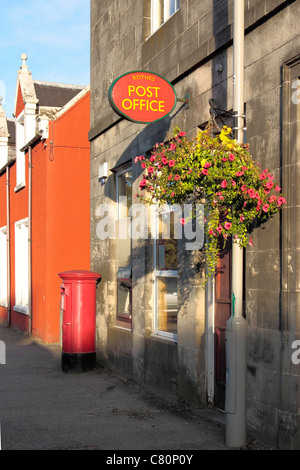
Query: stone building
[{"x": 155, "y": 322}]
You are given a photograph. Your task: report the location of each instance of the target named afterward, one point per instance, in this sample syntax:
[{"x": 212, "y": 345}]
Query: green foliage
[{"x": 237, "y": 192}]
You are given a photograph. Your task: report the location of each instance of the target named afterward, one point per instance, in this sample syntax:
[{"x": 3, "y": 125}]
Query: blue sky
[{"x": 54, "y": 34}]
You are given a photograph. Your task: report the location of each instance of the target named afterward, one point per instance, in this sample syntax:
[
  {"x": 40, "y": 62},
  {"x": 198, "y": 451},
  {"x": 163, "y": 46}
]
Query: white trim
[
  {"x": 3, "y": 267},
  {"x": 21, "y": 266}
]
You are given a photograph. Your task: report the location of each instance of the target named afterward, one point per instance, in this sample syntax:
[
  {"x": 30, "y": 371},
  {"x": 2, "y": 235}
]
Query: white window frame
[
  {"x": 3, "y": 267},
  {"x": 161, "y": 273},
  {"x": 161, "y": 11},
  {"x": 21, "y": 266}
]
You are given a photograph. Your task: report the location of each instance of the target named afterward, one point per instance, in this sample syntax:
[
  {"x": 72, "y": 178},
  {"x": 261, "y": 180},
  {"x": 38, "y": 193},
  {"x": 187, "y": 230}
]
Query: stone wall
[{"x": 193, "y": 50}]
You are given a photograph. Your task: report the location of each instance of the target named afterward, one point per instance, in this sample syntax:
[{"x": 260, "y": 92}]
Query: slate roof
[{"x": 55, "y": 94}]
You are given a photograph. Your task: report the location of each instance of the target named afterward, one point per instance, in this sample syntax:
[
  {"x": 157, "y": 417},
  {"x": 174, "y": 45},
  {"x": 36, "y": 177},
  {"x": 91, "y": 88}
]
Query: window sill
[
  {"x": 161, "y": 335},
  {"x": 19, "y": 187},
  {"x": 3, "y": 303},
  {"x": 21, "y": 309}
]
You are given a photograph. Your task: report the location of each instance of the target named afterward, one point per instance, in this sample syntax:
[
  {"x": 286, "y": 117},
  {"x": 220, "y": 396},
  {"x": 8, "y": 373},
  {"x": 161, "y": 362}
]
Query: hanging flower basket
[{"x": 238, "y": 193}]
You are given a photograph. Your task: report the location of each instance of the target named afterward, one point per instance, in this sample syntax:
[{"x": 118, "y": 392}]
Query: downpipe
[{"x": 236, "y": 326}]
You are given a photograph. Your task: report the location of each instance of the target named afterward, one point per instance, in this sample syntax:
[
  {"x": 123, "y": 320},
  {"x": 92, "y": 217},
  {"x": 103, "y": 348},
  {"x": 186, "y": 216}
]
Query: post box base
[{"x": 78, "y": 362}]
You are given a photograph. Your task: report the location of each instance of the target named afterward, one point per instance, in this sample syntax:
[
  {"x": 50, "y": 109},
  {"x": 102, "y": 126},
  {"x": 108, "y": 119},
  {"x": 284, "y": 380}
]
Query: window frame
[
  {"x": 3, "y": 267},
  {"x": 122, "y": 319},
  {"x": 159, "y": 8},
  {"x": 21, "y": 267},
  {"x": 162, "y": 273}
]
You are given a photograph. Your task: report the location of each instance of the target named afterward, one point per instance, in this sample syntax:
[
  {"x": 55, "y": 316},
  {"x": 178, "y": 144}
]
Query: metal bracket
[
  {"x": 185, "y": 100},
  {"x": 220, "y": 111}
]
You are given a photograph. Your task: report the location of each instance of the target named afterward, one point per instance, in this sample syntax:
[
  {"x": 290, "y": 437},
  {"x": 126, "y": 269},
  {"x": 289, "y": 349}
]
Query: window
[
  {"x": 166, "y": 306},
  {"x": 21, "y": 266},
  {"x": 161, "y": 10},
  {"x": 3, "y": 267},
  {"x": 123, "y": 248}
]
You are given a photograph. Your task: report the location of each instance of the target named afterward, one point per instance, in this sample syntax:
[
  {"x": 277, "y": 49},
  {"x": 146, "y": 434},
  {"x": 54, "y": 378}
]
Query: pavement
[{"x": 44, "y": 408}]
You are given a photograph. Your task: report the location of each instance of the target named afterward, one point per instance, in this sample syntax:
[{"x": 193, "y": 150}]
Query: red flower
[
  {"x": 224, "y": 184},
  {"x": 150, "y": 169},
  {"x": 171, "y": 163},
  {"x": 277, "y": 188},
  {"x": 143, "y": 165},
  {"x": 204, "y": 171},
  {"x": 181, "y": 134},
  {"x": 227, "y": 225},
  {"x": 231, "y": 157},
  {"x": 164, "y": 160},
  {"x": 182, "y": 221},
  {"x": 176, "y": 177},
  {"x": 239, "y": 173}
]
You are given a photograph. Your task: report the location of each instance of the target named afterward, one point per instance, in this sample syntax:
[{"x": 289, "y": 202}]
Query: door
[{"x": 222, "y": 313}]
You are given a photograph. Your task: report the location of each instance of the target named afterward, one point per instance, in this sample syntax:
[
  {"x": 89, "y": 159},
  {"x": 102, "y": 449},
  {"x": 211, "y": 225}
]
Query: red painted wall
[
  {"x": 60, "y": 213},
  {"x": 60, "y": 216}
]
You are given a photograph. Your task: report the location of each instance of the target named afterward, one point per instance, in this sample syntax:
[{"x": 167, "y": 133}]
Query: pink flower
[
  {"x": 136, "y": 159},
  {"x": 281, "y": 200},
  {"x": 277, "y": 188},
  {"x": 239, "y": 173},
  {"x": 164, "y": 160},
  {"x": 227, "y": 225},
  {"x": 170, "y": 177},
  {"x": 182, "y": 221},
  {"x": 231, "y": 157},
  {"x": 150, "y": 169},
  {"x": 269, "y": 184},
  {"x": 171, "y": 163},
  {"x": 272, "y": 198},
  {"x": 143, "y": 165},
  {"x": 219, "y": 228},
  {"x": 181, "y": 134},
  {"x": 207, "y": 165},
  {"x": 262, "y": 176},
  {"x": 251, "y": 192},
  {"x": 176, "y": 177},
  {"x": 243, "y": 187},
  {"x": 172, "y": 147},
  {"x": 172, "y": 193},
  {"x": 224, "y": 159},
  {"x": 224, "y": 184},
  {"x": 251, "y": 242},
  {"x": 233, "y": 183},
  {"x": 143, "y": 183},
  {"x": 242, "y": 218},
  {"x": 265, "y": 207},
  {"x": 204, "y": 171},
  {"x": 153, "y": 157}
]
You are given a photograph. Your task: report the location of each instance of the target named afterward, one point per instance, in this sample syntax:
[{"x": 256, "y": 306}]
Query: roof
[{"x": 56, "y": 95}]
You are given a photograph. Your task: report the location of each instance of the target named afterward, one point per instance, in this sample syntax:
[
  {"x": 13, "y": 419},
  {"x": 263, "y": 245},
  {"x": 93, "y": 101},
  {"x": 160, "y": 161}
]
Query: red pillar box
[{"x": 78, "y": 305}]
